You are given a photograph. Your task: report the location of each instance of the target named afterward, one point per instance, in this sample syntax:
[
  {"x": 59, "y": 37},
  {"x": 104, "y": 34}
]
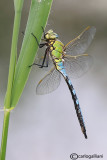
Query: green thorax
[{"x": 57, "y": 49}]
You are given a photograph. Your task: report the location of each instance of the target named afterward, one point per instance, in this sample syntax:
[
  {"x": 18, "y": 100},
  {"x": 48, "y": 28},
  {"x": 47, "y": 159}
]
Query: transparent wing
[
  {"x": 49, "y": 83},
  {"x": 76, "y": 66},
  {"x": 80, "y": 44}
]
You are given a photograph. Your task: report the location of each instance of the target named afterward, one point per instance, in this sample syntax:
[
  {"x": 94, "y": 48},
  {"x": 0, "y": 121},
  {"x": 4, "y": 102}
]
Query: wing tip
[
  {"x": 91, "y": 27},
  {"x": 88, "y": 27}
]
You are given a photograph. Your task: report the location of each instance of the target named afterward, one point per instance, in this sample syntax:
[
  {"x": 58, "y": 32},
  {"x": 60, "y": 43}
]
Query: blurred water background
[{"x": 46, "y": 127}]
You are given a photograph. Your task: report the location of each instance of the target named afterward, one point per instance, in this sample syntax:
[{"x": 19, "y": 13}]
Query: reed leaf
[{"x": 38, "y": 16}]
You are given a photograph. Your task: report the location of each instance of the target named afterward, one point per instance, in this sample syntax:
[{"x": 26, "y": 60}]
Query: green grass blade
[
  {"x": 4, "y": 136},
  {"x": 38, "y": 16},
  {"x": 18, "y": 4},
  {"x": 13, "y": 53}
]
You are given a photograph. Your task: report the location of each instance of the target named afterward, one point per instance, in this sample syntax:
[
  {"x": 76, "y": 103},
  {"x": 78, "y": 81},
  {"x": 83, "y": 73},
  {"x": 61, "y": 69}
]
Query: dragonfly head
[{"x": 50, "y": 35}]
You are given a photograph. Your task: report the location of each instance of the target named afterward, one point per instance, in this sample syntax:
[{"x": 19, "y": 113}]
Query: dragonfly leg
[
  {"x": 46, "y": 57},
  {"x": 40, "y": 66},
  {"x": 40, "y": 45},
  {"x": 34, "y": 64}
]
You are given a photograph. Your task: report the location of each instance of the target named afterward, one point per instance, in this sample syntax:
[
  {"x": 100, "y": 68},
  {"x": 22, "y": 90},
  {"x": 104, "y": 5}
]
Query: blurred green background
[{"x": 46, "y": 127}]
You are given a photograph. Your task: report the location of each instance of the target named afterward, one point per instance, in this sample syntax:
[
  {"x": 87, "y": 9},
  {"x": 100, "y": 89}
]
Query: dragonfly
[{"x": 68, "y": 60}]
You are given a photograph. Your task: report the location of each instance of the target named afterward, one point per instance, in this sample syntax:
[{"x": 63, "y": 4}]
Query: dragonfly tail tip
[{"x": 85, "y": 136}]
